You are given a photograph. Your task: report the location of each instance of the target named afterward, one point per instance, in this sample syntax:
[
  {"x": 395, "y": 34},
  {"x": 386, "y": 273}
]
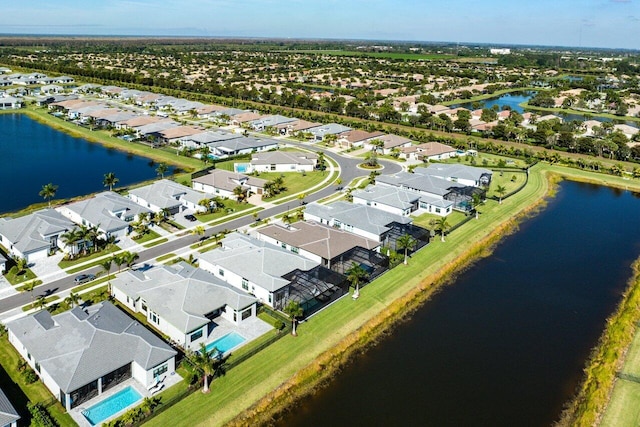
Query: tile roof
[{"x": 31, "y": 232}]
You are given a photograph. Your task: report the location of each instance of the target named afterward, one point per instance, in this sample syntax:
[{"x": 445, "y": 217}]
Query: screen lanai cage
[
  {"x": 420, "y": 235},
  {"x": 372, "y": 262},
  {"x": 312, "y": 289}
]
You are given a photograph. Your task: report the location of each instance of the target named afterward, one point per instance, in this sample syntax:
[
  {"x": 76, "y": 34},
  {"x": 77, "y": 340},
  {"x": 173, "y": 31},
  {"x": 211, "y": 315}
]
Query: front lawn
[
  {"x": 231, "y": 207},
  {"x": 79, "y": 259},
  {"x": 14, "y": 278}
]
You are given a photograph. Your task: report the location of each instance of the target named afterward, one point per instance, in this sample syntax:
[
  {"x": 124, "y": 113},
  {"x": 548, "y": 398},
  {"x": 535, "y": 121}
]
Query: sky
[{"x": 579, "y": 23}]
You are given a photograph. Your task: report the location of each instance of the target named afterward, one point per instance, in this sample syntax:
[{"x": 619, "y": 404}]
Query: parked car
[
  {"x": 84, "y": 278},
  {"x": 190, "y": 217}
]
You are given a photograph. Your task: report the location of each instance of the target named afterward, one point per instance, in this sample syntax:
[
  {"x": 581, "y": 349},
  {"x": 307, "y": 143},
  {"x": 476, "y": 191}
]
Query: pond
[
  {"x": 33, "y": 154},
  {"x": 505, "y": 344},
  {"x": 511, "y": 100}
]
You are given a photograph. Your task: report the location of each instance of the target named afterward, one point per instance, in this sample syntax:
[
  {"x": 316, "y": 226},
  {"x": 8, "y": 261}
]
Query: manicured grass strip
[
  {"x": 148, "y": 237},
  {"x": 165, "y": 257},
  {"x": 93, "y": 283},
  {"x": 15, "y": 279},
  {"x": 623, "y": 409},
  {"x": 64, "y": 264},
  {"x": 35, "y": 392},
  {"x": 46, "y": 300}
]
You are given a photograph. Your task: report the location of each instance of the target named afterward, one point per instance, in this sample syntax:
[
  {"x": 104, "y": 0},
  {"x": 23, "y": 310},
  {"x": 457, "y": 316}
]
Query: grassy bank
[
  {"x": 321, "y": 346},
  {"x": 603, "y": 365},
  {"x": 104, "y": 137}
]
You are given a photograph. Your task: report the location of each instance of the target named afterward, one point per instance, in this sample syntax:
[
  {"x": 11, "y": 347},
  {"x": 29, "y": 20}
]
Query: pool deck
[
  {"x": 76, "y": 413},
  {"x": 250, "y": 329}
]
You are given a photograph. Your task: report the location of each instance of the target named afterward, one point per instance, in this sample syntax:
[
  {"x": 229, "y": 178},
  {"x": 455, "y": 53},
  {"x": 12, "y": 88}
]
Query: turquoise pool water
[
  {"x": 242, "y": 167},
  {"x": 226, "y": 342},
  {"x": 111, "y": 405}
]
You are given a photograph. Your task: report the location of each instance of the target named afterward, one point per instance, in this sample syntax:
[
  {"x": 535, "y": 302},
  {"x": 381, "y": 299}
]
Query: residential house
[
  {"x": 81, "y": 353},
  {"x": 168, "y": 195},
  {"x": 628, "y": 130},
  {"x": 182, "y": 301},
  {"x": 3, "y": 264},
  {"x": 466, "y": 175},
  {"x": 209, "y": 137},
  {"x": 35, "y": 236},
  {"x": 389, "y": 143},
  {"x": 284, "y": 161},
  {"x": 402, "y": 202},
  {"x": 109, "y": 211},
  {"x": 244, "y": 117},
  {"x": 265, "y": 122},
  {"x": 175, "y": 134},
  {"x": 255, "y": 266},
  {"x": 295, "y": 127},
  {"x": 8, "y": 415},
  {"x": 319, "y": 132},
  {"x": 222, "y": 183},
  {"x": 359, "y": 219},
  {"x": 317, "y": 242},
  {"x": 10, "y": 103},
  {"x": 243, "y": 145},
  {"x": 428, "y": 151},
  {"x": 357, "y": 137}
]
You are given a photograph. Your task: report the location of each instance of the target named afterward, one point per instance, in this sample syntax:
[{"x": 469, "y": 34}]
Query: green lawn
[
  {"x": 253, "y": 379},
  {"x": 623, "y": 409},
  {"x": 15, "y": 279},
  {"x": 425, "y": 219},
  {"x": 231, "y": 207},
  {"x": 66, "y": 263},
  {"x": 150, "y": 235},
  {"x": 486, "y": 160},
  {"x": 506, "y": 179},
  {"x": 18, "y": 390}
]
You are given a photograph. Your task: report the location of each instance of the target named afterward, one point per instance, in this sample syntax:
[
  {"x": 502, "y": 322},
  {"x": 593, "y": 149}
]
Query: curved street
[{"x": 348, "y": 171}]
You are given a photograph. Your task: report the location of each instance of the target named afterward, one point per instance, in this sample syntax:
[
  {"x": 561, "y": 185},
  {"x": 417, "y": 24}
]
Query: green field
[{"x": 624, "y": 407}]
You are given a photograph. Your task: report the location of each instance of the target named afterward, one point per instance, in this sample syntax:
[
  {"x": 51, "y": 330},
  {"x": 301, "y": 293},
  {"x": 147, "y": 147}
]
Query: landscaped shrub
[{"x": 39, "y": 416}]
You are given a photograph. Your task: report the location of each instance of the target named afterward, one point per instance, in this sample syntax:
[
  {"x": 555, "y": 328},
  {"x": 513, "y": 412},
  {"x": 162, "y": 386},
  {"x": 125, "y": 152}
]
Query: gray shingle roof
[
  {"x": 317, "y": 239},
  {"x": 31, "y": 233},
  {"x": 168, "y": 194},
  {"x": 363, "y": 217},
  {"x": 328, "y": 129},
  {"x": 243, "y": 143},
  {"x": 418, "y": 182},
  {"x": 108, "y": 209},
  {"x": 226, "y": 180},
  {"x": 181, "y": 294},
  {"x": 397, "y": 197},
  {"x": 284, "y": 158},
  {"x": 8, "y": 413},
  {"x": 257, "y": 261},
  {"x": 77, "y": 348},
  {"x": 445, "y": 170}
]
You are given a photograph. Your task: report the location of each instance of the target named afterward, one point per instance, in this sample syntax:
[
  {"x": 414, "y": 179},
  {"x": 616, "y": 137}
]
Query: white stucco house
[
  {"x": 254, "y": 266},
  {"x": 109, "y": 211},
  {"x": 35, "y": 236},
  {"x": 167, "y": 194},
  {"x": 182, "y": 301},
  {"x": 222, "y": 183},
  {"x": 284, "y": 161},
  {"x": 81, "y": 353},
  {"x": 400, "y": 201}
]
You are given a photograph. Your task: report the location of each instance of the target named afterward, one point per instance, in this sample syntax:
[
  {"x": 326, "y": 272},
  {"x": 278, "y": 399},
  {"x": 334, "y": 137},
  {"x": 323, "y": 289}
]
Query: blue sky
[{"x": 597, "y": 23}]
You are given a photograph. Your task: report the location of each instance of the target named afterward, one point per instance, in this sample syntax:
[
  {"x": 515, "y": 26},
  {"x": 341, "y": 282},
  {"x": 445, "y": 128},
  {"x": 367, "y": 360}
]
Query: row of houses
[{"x": 21, "y": 79}]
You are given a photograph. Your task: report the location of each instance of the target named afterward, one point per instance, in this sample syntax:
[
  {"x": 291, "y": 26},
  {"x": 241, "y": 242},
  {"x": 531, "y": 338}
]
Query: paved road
[{"x": 348, "y": 171}]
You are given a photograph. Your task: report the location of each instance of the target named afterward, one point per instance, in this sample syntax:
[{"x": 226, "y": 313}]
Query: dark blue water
[
  {"x": 512, "y": 100},
  {"x": 504, "y": 345},
  {"x": 32, "y": 155}
]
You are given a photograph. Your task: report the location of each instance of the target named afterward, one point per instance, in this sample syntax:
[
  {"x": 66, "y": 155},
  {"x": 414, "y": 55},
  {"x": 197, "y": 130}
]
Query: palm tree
[
  {"x": 406, "y": 242},
  {"x": 83, "y": 234},
  {"x": 130, "y": 258},
  {"x": 501, "y": 190},
  {"x": 240, "y": 193},
  {"x": 28, "y": 287},
  {"x": 105, "y": 266},
  {"x": 204, "y": 153},
  {"x": 442, "y": 225},
  {"x": 207, "y": 363},
  {"x": 110, "y": 180},
  {"x": 48, "y": 192},
  {"x": 40, "y": 302},
  {"x": 356, "y": 274},
  {"x": 72, "y": 300},
  {"x": 162, "y": 169},
  {"x": 294, "y": 311},
  {"x": 21, "y": 265},
  {"x": 199, "y": 231},
  {"x": 119, "y": 260},
  {"x": 476, "y": 201}
]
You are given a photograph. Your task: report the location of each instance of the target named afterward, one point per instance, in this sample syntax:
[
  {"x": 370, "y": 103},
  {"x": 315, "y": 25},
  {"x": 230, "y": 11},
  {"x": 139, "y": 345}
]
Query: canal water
[
  {"x": 33, "y": 154},
  {"x": 505, "y": 344}
]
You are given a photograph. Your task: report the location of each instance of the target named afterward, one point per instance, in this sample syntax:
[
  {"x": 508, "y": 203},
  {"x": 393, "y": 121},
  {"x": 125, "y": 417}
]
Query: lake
[
  {"x": 505, "y": 344},
  {"x": 33, "y": 154},
  {"x": 514, "y": 99}
]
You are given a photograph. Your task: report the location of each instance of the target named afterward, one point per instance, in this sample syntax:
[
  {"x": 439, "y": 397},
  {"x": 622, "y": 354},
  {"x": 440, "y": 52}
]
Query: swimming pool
[
  {"x": 242, "y": 167},
  {"x": 226, "y": 342},
  {"x": 111, "y": 405}
]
